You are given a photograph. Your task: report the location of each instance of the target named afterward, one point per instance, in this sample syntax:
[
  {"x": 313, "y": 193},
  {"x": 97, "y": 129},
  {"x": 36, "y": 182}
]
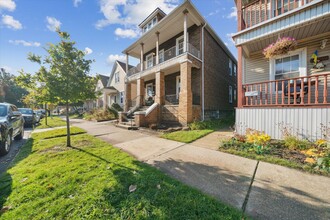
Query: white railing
[{"x": 168, "y": 54}]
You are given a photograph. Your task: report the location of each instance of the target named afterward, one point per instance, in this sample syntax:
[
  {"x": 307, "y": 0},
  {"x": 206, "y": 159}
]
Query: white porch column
[
  {"x": 157, "y": 48},
  {"x": 141, "y": 58},
  {"x": 126, "y": 63},
  {"x": 185, "y": 12}
]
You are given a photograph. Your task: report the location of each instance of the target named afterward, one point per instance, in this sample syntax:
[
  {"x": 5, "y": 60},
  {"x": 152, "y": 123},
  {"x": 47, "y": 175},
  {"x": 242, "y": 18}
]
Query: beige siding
[
  {"x": 256, "y": 68},
  {"x": 120, "y": 86}
]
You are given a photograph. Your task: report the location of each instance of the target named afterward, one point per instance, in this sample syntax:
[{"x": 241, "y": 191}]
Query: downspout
[{"x": 203, "y": 100}]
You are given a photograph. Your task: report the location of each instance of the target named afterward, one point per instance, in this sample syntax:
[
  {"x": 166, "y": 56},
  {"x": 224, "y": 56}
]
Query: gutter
[{"x": 203, "y": 100}]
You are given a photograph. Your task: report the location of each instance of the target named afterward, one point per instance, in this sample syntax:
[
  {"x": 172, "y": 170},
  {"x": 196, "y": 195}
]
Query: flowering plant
[{"x": 281, "y": 46}]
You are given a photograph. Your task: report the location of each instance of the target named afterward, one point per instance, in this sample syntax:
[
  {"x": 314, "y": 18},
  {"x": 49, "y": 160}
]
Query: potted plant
[{"x": 280, "y": 47}]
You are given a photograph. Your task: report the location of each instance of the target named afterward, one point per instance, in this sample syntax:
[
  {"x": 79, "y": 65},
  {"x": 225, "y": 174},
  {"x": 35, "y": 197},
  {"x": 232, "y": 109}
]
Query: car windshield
[
  {"x": 3, "y": 110},
  {"x": 26, "y": 111}
]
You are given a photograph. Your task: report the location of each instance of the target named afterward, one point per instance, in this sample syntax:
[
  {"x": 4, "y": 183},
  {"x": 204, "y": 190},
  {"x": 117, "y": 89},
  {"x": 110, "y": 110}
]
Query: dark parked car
[
  {"x": 40, "y": 112},
  {"x": 11, "y": 126},
  {"x": 29, "y": 116}
]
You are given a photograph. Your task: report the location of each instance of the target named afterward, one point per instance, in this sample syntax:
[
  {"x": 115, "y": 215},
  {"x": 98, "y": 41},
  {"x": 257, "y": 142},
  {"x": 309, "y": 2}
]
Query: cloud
[
  {"x": 11, "y": 23},
  {"x": 126, "y": 33},
  {"x": 233, "y": 13},
  {"x": 53, "y": 23},
  {"x": 76, "y": 2},
  {"x": 113, "y": 57},
  {"x": 7, "y": 5},
  {"x": 25, "y": 43},
  {"x": 129, "y": 13},
  {"x": 213, "y": 12},
  {"x": 88, "y": 51}
]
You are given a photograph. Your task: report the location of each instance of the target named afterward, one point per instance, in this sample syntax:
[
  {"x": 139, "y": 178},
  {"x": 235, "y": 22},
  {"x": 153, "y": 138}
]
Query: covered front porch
[{"x": 175, "y": 90}]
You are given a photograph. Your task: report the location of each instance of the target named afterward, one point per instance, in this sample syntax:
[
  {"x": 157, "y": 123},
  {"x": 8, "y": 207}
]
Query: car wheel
[
  {"x": 20, "y": 135},
  {"x": 5, "y": 146}
]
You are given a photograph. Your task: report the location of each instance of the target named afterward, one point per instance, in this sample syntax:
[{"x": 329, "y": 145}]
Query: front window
[
  {"x": 179, "y": 45},
  {"x": 235, "y": 69},
  {"x": 121, "y": 97},
  {"x": 117, "y": 79},
  {"x": 161, "y": 56},
  {"x": 3, "y": 110},
  {"x": 149, "y": 59},
  {"x": 289, "y": 66},
  {"x": 285, "y": 5}
]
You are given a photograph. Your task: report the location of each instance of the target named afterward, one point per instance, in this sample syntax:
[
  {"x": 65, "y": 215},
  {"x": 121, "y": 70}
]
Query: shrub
[
  {"x": 213, "y": 124},
  {"x": 294, "y": 143},
  {"x": 116, "y": 107},
  {"x": 101, "y": 115},
  {"x": 256, "y": 137}
]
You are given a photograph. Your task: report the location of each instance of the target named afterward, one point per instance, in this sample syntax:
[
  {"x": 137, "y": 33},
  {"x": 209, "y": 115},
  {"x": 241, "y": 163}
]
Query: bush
[
  {"x": 294, "y": 143},
  {"x": 116, "y": 107},
  {"x": 101, "y": 115},
  {"x": 213, "y": 124}
]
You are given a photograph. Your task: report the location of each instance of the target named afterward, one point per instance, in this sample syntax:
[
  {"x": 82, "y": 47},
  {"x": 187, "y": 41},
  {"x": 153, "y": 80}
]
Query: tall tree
[
  {"x": 10, "y": 91},
  {"x": 64, "y": 75}
]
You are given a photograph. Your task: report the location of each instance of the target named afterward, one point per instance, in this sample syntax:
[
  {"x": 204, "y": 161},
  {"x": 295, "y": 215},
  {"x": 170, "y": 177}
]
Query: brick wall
[{"x": 217, "y": 78}]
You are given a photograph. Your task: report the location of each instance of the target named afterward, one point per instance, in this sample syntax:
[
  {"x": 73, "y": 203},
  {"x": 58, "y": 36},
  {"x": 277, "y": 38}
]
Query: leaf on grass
[
  {"x": 158, "y": 186},
  {"x": 24, "y": 179},
  {"x": 5, "y": 209},
  {"x": 132, "y": 188}
]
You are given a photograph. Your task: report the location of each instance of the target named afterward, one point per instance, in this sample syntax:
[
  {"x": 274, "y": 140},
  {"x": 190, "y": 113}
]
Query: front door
[{"x": 149, "y": 90}]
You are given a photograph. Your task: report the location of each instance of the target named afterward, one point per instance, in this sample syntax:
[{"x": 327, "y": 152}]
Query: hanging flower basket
[{"x": 280, "y": 47}]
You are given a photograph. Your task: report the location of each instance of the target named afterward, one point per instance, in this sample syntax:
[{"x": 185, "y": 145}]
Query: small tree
[{"x": 64, "y": 75}]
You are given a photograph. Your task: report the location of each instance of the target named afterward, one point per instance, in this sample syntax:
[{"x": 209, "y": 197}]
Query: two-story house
[
  {"x": 185, "y": 73},
  {"x": 289, "y": 90},
  {"x": 116, "y": 84}
]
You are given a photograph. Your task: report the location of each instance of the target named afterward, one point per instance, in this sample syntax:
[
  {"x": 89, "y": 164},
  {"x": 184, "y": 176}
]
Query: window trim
[
  {"x": 302, "y": 52},
  {"x": 152, "y": 58},
  {"x": 230, "y": 97}
]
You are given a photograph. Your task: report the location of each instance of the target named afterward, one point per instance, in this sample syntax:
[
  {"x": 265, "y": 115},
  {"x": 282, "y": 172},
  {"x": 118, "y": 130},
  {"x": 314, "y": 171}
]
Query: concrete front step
[{"x": 127, "y": 126}]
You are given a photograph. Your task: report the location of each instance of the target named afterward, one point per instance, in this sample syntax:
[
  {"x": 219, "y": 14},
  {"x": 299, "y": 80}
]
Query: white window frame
[
  {"x": 302, "y": 52},
  {"x": 230, "y": 94},
  {"x": 230, "y": 67},
  {"x": 177, "y": 86},
  {"x": 177, "y": 45},
  {"x": 152, "y": 60},
  {"x": 161, "y": 55},
  {"x": 117, "y": 78}
]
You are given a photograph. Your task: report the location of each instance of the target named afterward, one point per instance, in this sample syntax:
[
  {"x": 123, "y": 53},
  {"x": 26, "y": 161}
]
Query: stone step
[{"x": 126, "y": 126}]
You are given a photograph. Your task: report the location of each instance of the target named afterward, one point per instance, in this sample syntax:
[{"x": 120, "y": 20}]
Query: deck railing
[
  {"x": 255, "y": 12},
  {"x": 310, "y": 90},
  {"x": 168, "y": 54}
]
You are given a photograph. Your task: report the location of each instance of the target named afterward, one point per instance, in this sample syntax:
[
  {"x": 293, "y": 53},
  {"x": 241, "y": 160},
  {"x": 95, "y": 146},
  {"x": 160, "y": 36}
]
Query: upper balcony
[
  {"x": 166, "y": 59},
  {"x": 257, "y": 11}
]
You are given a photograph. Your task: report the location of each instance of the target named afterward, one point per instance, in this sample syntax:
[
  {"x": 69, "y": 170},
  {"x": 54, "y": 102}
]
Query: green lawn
[
  {"x": 51, "y": 122},
  {"x": 186, "y": 136},
  {"x": 91, "y": 181}
]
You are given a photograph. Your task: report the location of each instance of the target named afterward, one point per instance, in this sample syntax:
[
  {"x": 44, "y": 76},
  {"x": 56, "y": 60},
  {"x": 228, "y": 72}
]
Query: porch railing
[
  {"x": 257, "y": 11},
  {"x": 168, "y": 54},
  {"x": 310, "y": 90}
]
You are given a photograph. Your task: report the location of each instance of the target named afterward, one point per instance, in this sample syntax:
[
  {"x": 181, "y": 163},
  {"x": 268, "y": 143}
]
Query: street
[{"x": 15, "y": 147}]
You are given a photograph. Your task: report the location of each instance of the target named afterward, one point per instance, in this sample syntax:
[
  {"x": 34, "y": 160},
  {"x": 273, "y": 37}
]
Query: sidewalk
[{"x": 276, "y": 192}]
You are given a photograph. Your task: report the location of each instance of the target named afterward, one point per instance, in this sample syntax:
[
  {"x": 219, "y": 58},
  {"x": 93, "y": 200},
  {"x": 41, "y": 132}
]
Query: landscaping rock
[{"x": 185, "y": 129}]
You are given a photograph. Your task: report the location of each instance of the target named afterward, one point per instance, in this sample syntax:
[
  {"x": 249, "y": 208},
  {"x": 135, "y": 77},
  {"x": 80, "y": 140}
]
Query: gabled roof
[
  {"x": 123, "y": 65},
  {"x": 152, "y": 14},
  {"x": 104, "y": 79}
]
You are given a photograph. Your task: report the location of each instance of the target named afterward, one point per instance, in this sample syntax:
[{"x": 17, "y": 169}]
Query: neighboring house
[
  {"x": 102, "y": 90},
  {"x": 116, "y": 84},
  {"x": 288, "y": 92},
  {"x": 185, "y": 69}
]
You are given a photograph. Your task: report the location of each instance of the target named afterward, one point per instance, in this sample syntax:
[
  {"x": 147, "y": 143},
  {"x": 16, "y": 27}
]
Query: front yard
[
  {"x": 52, "y": 122},
  {"x": 313, "y": 157},
  {"x": 93, "y": 180}
]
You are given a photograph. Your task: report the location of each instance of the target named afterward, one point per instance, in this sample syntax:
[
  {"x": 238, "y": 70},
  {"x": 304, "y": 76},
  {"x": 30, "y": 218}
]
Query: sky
[{"x": 101, "y": 28}]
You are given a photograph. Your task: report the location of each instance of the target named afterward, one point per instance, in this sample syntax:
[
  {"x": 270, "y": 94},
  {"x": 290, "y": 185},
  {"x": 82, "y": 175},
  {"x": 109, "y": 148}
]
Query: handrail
[{"x": 312, "y": 90}]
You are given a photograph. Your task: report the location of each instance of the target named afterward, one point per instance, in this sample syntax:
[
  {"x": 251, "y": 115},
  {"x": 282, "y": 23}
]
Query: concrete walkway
[{"x": 276, "y": 192}]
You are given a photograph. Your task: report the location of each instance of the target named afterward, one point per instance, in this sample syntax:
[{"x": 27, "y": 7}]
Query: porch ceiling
[{"x": 300, "y": 33}]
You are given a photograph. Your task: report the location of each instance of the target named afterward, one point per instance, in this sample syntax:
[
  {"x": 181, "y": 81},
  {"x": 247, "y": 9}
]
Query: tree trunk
[
  {"x": 46, "y": 123},
  {"x": 68, "y": 139}
]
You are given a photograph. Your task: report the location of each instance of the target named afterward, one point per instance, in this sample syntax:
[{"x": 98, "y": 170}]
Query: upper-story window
[
  {"x": 235, "y": 69},
  {"x": 161, "y": 56},
  {"x": 150, "y": 60},
  {"x": 150, "y": 24},
  {"x": 117, "y": 79},
  {"x": 179, "y": 45},
  {"x": 230, "y": 67}
]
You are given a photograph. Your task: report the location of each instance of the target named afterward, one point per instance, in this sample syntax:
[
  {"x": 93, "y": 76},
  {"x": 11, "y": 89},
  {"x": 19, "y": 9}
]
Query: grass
[
  {"x": 51, "y": 122},
  {"x": 91, "y": 180},
  {"x": 186, "y": 136}
]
